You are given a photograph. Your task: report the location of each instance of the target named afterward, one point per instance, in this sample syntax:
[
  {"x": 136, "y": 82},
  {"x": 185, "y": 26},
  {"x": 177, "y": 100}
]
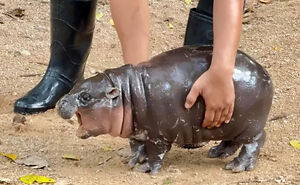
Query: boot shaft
[
  {"x": 199, "y": 29},
  {"x": 72, "y": 26}
]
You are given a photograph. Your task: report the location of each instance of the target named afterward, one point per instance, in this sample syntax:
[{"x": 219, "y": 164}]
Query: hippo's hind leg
[
  {"x": 224, "y": 149},
  {"x": 248, "y": 155},
  {"x": 138, "y": 153}
]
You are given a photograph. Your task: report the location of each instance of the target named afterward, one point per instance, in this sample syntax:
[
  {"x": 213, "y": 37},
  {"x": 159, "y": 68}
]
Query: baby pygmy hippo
[{"x": 146, "y": 104}]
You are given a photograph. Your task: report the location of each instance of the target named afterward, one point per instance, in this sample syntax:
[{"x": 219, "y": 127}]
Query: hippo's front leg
[
  {"x": 155, "y": 151},
  {"x": 138, "y": 153}
]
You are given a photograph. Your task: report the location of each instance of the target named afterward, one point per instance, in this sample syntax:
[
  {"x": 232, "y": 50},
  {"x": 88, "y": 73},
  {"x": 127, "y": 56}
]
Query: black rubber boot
[
  {"x": 199, "y": 30},
  {"x": 72, "y": 25}
]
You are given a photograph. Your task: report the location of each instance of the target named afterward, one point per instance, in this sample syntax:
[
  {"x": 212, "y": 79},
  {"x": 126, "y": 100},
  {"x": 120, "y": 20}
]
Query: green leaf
[
  {"x": 187, "y": 1},
  {"x": 10, "y": 156},
  {"x": 295, "y": 144},
  {"x": 43, "y": 179},
  {"x": 106, "y": 149},
  {"x": 168, "y": 181},
  {"x": 30, "y": 179},
  {"x": 170, "y": 26},
  {"x": 99, "y": 15}
]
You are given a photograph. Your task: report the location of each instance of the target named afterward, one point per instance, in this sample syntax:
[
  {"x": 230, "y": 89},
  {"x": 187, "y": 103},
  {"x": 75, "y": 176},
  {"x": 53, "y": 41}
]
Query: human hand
[{"x": 216, "y": 88}]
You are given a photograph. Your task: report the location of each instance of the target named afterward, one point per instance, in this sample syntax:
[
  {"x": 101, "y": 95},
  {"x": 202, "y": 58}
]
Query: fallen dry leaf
[
  {"x": 71, "y": 157},
  {"x": 33, "y": 161},
  {"x": 105, "y": 160},
  {"x": 124, "y": 152},
  {"x": 19, "y": 119},
  {"x": 17, "y": 12},
  {"x": 265, "y": 1},
  {"x": 5, "y": 180},
  {"x": 111, "y": 21}
]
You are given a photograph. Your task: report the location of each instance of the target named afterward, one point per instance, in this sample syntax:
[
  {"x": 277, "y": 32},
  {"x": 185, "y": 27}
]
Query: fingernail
[
  {"x": 187, "y": 106},
  {"x": 227, "y": 121}
]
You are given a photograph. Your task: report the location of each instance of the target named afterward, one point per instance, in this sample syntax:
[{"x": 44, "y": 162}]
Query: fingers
[
  {"x": 208, "y": 118},
  {"x": 217, "y": 117},
  {"x": 214, "y": 117},
  {"x": 224, "y": 115},
  {"x": 192, "y": 96},
  {"x": 229, "y": 115}
]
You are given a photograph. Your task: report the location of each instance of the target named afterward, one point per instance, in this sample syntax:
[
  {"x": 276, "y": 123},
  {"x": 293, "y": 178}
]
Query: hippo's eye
[{"x": 84, "y": 97}]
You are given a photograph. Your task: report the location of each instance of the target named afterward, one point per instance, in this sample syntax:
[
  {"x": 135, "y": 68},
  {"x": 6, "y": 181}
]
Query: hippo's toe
[
  {"x": 224, "y": 149},
  {"x": 240, "y": 165},
  {"x": 143, "y": 168},
  {"x": 146, "y": 167}
]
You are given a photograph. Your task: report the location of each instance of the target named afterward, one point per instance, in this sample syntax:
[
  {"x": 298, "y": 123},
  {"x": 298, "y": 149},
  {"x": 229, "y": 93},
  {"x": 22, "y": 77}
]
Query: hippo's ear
[{"x": 112, "y": 92}]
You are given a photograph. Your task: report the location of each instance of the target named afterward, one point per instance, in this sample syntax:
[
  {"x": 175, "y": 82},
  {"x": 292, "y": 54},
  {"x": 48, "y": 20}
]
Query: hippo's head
[{"x": 97, "y": 105}]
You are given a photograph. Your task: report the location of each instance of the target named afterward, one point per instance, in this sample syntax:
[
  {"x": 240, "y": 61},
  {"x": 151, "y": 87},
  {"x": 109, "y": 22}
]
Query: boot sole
[{"x": 29, "y": 111}]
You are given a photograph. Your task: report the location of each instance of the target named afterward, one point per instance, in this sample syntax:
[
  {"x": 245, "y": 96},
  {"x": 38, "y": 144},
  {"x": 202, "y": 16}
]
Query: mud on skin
[{"x": 145, "y": 103}]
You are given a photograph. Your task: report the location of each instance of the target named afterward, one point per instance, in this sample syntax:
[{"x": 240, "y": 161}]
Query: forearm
[
  {"x": 131, "y": 19},
  {"x": 227, "y": 23}
]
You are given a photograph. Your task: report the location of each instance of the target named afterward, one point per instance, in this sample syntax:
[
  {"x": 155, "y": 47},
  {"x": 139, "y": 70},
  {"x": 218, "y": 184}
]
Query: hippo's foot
[
  {"x": 224, "y": 149},
  {"x": 146, "y": 167},
  {"x": 148, "y": 155},
  {"x": 242, "y": 164},
  {"x": 248, "y": 156},
  {"x": 138, "y": 153}
]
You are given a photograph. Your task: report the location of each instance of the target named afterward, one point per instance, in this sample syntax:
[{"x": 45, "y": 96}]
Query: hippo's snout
[
  {"x": 66, "y": 107},
  {"x": 83, "y": 134}
]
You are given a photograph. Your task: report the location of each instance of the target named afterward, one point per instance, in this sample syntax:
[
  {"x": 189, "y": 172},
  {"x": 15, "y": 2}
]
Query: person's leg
[
  {"x": 199, "y": 30},
  {"x": 72, "y": 25},
  {"x": 131, "y": 19}
]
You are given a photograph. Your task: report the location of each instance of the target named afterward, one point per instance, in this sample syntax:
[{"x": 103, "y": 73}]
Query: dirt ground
[{"x": 271, "y": 34}]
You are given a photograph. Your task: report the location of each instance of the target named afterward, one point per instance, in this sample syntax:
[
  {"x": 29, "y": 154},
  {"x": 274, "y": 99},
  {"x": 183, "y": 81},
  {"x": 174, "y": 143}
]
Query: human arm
[
  {"x": 216, "y": 85},
  {"x": 131, "y": 19}
]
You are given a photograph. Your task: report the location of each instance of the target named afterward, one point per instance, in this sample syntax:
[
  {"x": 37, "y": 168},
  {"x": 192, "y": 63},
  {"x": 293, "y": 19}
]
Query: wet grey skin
[{"x": 146, "y": 104}]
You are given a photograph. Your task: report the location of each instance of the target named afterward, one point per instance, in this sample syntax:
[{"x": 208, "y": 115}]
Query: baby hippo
[{"x": 146, "y": 104}]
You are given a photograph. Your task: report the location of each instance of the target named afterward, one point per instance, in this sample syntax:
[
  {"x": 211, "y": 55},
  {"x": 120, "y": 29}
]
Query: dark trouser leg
[
  {"x": 199, "y": 30},
  {"x": 72, "y": 25}
]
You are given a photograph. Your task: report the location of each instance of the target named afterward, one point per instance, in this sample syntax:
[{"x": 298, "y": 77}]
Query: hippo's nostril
[{"x": 62, "y": 102}]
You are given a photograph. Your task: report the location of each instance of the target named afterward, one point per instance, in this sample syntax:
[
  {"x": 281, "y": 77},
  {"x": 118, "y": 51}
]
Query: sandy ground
[{"x": 270, "y": 34}]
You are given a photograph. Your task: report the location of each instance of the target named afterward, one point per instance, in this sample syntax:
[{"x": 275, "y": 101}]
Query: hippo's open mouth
[{"x": 79, "y": 118}]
